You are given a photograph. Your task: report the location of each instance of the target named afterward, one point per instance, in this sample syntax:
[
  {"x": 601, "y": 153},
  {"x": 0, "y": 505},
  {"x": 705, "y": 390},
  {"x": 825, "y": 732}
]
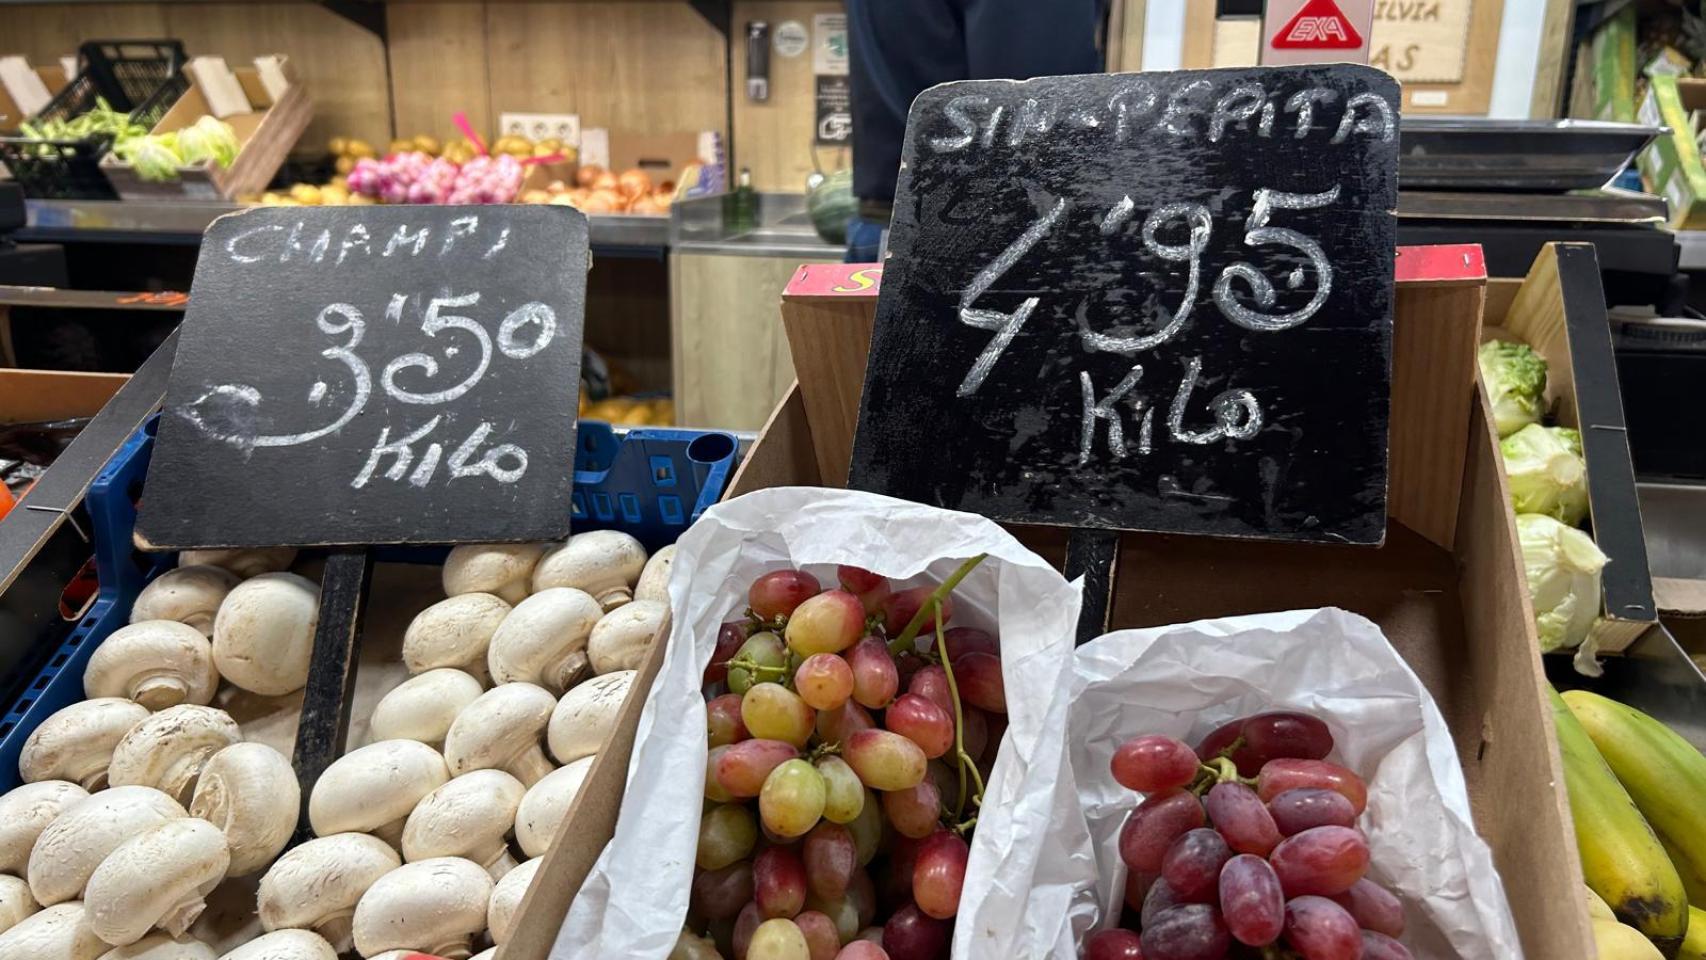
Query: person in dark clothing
[{"x": 899, "y": 48}]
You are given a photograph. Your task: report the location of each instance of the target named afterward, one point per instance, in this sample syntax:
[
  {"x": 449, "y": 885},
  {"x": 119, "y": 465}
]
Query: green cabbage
[
  {"x": 1562, "y": 565},
  {"x": 1546, "y": 472},
  {"x": 1516, "y": 383},
  {"x": 152, "y": 156}
]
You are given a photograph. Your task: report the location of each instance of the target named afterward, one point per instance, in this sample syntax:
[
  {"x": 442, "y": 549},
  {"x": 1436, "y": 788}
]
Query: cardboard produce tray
[{"x": 1447, "y": 586}]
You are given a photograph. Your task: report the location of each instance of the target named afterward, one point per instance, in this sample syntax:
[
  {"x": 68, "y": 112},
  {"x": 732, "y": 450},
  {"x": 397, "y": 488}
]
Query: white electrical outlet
[{"x": 542, "y": 126}]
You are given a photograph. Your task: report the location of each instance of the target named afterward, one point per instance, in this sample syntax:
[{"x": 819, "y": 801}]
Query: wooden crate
[{"x": 265, "y": 138}]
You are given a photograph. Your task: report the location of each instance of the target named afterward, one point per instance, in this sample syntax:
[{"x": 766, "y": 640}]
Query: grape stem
[
  {"x": 964, "y": 762},
  {"x": 1218, "y": 770},
  {"x": 904, "y": 642},
  {"x": 755, "y": 668}
]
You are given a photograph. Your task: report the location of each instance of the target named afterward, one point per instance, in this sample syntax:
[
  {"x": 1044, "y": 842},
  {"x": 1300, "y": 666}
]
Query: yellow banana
[
  {"x": 1691, "y": 881},
  {"x": 1615, "y": 941},
  {"x": 1621, "y": 858},
  {"x": 1694, "y": 945}
]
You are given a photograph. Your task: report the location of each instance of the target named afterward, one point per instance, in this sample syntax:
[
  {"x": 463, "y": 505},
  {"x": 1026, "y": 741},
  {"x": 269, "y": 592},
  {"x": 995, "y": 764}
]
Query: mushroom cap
[
  {"x": 77, "y": 743},
  {"x": 245, "y": 562},
  {"x": 156, "y": 878},
  {"x": 189, "y": 595},
  {"x": 263, "y": 636},
  {"x": 423, "y": 706},
  {"x": 454, "y": 632},
  {"x": 546, "y": 804},
  {"x": 167, "y": 750},
  {"x": 654, "y": 579},
  {"x": 59, "y": 932},
  {"x": 498, "y": 568},
  {"x": 423, "y": 906},
  {"x": 604, "y": 563},
  {"x": 543, "y": 640},
  {"x": 157, "y": 663},
  {"x": 162, "y": 946},
  {"x": 468, "y": 817},
  {"x": 25, "y": 812},
  {"x": 322, "y": 879},
  {"x": 285, "y": 945},
  {"x": 374, "y": 785},
  {"x": 587, "y": 714},
  {"x": 623, "y": 637},
  {"x": 503, "y": 723},
  {"x": 15, "y": 901},
  {"x": 75, "y": 843},
  {"x": 506, "y": 899},
  {"x": 250, "y": 792}
]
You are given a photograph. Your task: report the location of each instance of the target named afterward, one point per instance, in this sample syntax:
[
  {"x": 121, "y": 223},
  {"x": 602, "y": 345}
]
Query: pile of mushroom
[{"x": 427, "y": 836}]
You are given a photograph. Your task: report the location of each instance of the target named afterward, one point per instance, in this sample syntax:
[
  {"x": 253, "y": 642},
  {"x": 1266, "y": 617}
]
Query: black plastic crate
[{"x": 142, "y": 77}]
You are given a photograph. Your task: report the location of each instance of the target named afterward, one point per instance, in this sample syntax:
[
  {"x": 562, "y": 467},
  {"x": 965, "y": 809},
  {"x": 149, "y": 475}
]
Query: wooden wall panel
[
  {"x": 439, "y": 66},
  {"x": 774, "y": 138},
  {"x": 47, "y": 32}
]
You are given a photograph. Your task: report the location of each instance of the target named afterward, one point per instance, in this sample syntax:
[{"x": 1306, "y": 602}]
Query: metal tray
[{"x": 1473, "y": 154}]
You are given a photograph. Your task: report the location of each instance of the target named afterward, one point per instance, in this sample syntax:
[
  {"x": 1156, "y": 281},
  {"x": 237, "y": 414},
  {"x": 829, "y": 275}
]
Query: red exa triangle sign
[{"x": 1320, "y": 25}]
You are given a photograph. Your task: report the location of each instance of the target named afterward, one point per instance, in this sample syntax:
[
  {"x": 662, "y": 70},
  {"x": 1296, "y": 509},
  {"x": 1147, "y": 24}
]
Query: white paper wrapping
[
  {"x": 1186, "y": 680},
  {"x": 634, "y": 901}
]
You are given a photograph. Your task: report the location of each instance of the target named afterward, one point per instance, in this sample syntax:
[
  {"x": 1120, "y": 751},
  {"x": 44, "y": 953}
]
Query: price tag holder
[
  {"x": 1157, "y": 302},
  {"x": 353, "y": 376}
]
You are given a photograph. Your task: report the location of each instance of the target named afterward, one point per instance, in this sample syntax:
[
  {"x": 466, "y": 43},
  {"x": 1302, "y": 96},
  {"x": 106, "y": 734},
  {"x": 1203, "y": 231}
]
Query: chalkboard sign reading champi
[
  {"x": 361, "y": 375},
  {"x": 1142, "y": 302}
]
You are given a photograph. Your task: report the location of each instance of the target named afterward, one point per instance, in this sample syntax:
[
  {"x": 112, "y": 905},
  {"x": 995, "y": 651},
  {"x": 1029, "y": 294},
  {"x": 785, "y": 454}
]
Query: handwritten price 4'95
[
  {"x": 1237, "y": 413},
  {"x": 524, "y": 333}
]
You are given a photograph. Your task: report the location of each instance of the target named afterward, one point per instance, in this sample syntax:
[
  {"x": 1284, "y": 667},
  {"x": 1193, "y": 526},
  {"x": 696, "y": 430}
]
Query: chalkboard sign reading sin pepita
[
  {"x": 360, "y": 375},
  {"x": 1142, "y": 302}
]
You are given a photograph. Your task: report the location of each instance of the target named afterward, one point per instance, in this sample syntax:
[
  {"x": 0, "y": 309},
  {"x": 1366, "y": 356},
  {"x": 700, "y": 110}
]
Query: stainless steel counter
[{"x": 782, "y": 229}]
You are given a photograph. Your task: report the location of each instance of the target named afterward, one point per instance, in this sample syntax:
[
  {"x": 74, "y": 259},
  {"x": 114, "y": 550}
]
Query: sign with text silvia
[
  {"x": 362, "y": 375},
  {"x": 1142, "y": 302}
]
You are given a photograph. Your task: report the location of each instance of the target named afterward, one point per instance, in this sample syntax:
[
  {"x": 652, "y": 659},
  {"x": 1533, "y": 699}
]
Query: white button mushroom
[
  {"x": 490, "y": 953},
  {"x": 503, "y": 569},
  {"x": 470, "y": 817},
  {"x": 249, "y": 791},
  {"x": 77, "y": 840},
  {"x": 263, "y": 636},
  {"x": 245, "y": 562},
  {"x": 422, "y": 707},
  {"x": 454, "y": 632},
  {"x": 372, "y": 789},
  {"x": 654, "y": 579},
  {"x": 604, "y": 563},
  {"x": 162, "y": 946},
  {"x": 316, "y": 885},
  {"x": 190, "y": 595},
  {"x": 506, "y": 900},
  {"x": 168, "y": 749},
  {"x": 502, "y": 729},
  {"x": 285, "y": 945},
  {"x": 16, "y": 903},
  {"x": 25, "y": 812},
  {"x": 543, "y": 640},
  {"x": 587, "y": 714},
  {"x": 622, "y": 638},
  {"x": 57, "y": 933},
  {"x": 77, "y": 743},
  {"x": 436, "y": 906},
  {"x": 546, "y": 805},
  {"x": 157, "y": 663},
  {"x": 158, "y": 878}
]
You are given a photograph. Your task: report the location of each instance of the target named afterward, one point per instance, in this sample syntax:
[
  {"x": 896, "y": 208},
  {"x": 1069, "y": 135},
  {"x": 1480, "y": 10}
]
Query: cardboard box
[
  {"x": 1447, "y": 587},
  {"x": 1671, "y": 166},
  {"x": 11, "y": 114},
  {"x": 32, "y": 396},
  {"x": 264, "y": 136},
  {"x": 1559, "y": 310},
  {"x": 663, "y": 155}
]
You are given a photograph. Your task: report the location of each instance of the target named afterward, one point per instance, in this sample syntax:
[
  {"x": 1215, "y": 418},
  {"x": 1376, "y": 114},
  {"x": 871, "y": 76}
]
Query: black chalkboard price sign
[
  {"x": 348, "y": 376},
  {"x": 1153, "y": 302}
]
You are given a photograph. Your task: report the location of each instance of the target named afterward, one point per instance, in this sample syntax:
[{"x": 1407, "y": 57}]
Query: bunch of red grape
[
  {"x": 1245, "y": 845},
  {"x": 847, "y": 760}
]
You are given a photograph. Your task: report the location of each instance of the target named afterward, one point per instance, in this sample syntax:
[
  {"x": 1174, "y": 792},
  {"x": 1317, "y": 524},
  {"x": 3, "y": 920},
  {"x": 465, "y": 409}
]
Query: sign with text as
[
  {"x": 361, "y": 375},
  {"x": 1142, "y": 302}
]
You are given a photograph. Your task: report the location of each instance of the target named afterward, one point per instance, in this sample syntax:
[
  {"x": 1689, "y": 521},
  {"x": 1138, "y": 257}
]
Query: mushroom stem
[
  {"x": 570, "y": 671},
  {"x": 337, "y": 930},
  {"x": 94, "y": 781},
  {"x": 391, "y": 833},
  {"x": 613, "y": 598},
  {"x": 453, "y": 950},
  {"x": 530, "y": 766},
  {"x": 159, "y": 691},
  {"x": 500, "y": 863},
  {"x": 182, "y": 916}
]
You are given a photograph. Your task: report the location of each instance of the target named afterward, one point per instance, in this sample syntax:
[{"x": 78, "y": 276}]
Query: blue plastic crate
[{"x": 652, "y": 483}]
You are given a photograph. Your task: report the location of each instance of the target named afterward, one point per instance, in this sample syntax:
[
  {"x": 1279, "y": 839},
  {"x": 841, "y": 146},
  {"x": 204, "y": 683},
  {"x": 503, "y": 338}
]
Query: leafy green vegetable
[
  {"x": 209, "y": 139},
  {"x": 1546, "y": 472},
  {"x": 103, "y": 120},
  {"x": 1516, "y": 383},
  {"x": 159, "y": 155},
  {"x": 1562, "y": 565}
]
